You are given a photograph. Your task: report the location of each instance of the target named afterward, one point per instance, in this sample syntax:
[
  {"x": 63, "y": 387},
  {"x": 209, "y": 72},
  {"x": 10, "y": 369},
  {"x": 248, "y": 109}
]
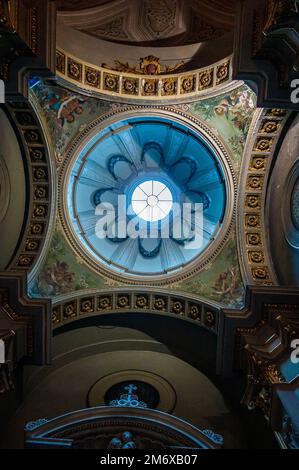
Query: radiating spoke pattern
[{"x": 152, "y": 200}]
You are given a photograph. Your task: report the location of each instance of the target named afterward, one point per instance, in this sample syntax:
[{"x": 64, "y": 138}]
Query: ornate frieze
[{"x": 7, "y": 338}]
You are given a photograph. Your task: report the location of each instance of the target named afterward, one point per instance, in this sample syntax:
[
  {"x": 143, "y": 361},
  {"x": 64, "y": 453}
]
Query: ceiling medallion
[
  {"x": 160, "y": 17},
  {"x": 135, "y": 161}
]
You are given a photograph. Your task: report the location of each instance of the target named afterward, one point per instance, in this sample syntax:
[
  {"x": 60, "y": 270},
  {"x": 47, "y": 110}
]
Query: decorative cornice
[
  {"x": 68, "y": 309},
  {"x": 98, "y": 422},
  {"x": 102, "y": 81}
]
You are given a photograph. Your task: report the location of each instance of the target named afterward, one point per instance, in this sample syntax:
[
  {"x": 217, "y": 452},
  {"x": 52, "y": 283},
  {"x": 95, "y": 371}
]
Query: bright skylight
[{"x": 152, "y": 200}]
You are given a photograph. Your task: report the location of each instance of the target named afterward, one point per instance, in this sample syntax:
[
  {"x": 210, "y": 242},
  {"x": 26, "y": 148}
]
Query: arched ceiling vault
[{"x": 253, "y": 239}]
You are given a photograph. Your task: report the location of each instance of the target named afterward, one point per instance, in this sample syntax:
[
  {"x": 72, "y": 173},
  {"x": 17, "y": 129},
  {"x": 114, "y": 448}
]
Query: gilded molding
[
  {"x": 67, "y": 309},
  {"x": 5, "y": 19},
  {"x": 34, "y": 29},
  {"x": 178, "y": 115}
]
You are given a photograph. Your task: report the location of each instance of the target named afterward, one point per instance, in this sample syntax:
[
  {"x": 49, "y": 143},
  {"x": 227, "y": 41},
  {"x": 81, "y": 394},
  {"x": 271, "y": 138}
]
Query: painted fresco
[
  {"x": 63, "y": 272},
  {"x": 221, "y": 280}
]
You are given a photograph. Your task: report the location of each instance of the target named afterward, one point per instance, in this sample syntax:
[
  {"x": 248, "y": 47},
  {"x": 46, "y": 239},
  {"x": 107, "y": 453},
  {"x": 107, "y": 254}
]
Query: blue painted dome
[{"x": 155, "y": 167}]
